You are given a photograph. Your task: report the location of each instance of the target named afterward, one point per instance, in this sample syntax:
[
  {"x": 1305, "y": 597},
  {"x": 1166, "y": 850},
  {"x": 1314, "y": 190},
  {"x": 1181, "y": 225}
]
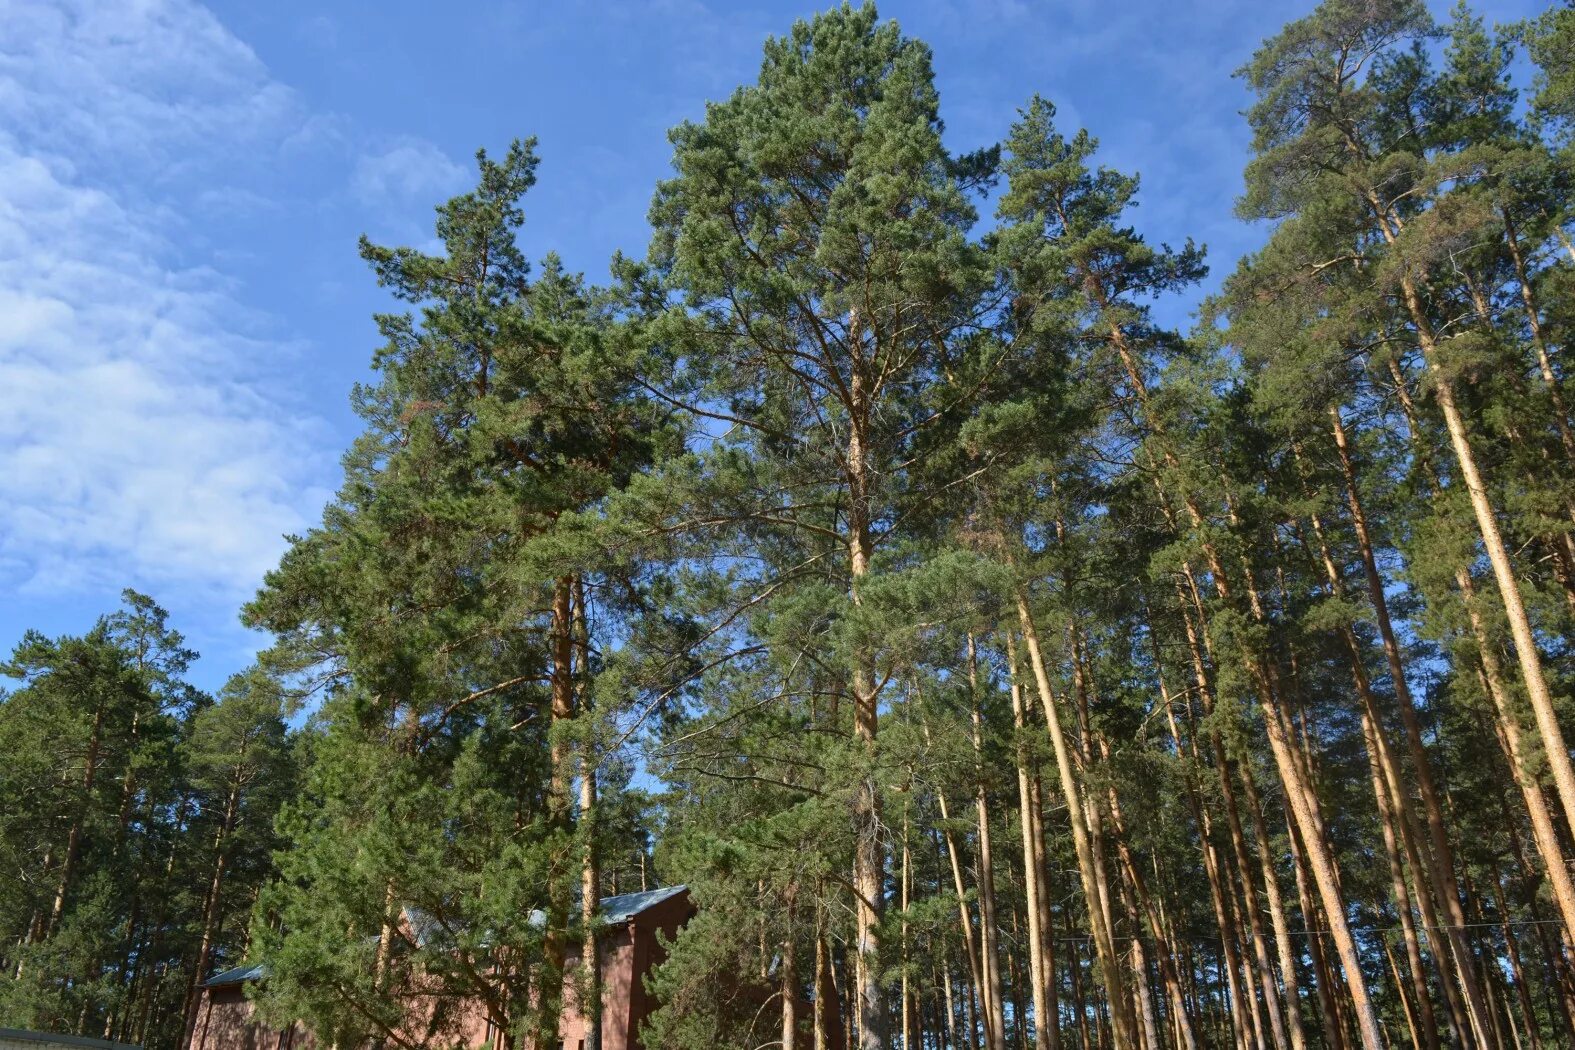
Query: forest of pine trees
[{"x": 998, "y": 666}]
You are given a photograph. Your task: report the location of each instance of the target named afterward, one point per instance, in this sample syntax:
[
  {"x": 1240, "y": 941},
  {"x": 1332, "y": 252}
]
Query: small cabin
[{"x": 629, "y": 948}]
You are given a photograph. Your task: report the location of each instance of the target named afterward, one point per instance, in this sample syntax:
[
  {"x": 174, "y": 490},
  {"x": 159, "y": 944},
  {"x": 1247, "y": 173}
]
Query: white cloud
[
  {"x": 411, "y": 170},
  {"x": 146, "y": 434},
  {"x": 151, "y": 87}
]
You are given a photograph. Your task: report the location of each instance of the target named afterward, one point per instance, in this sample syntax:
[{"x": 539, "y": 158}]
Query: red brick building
[{"x": 628, "y": 949}]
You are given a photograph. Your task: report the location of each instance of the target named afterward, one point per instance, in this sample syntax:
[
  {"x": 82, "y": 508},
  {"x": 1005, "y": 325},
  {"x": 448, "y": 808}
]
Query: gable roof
[
  {"x": 235, "y": 975},
  {"x": 626, "y": 906}
]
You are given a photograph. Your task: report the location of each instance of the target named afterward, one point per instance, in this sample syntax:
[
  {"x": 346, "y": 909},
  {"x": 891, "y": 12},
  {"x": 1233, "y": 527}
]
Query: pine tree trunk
[
  {"x": 1142, "y": 903},
  {"x": 1084, "y": 692},
  {"x": 789, "y": 982},
  {"x": 1015, "y": 982},
  {"x": 1557, "y": 983},
  {"x": 1405, "y": 1000},
  {"x": 1253, "y": 1026},
  {"x": 1046, "y": 1037},
  {"x": 1557, "y": 752},
  {"x": 989, "y": 924},
  {"x": 964, "y": 917},
  {"x": 385, "y": 938},
  {"x": 1303, "y": 801},
  {"x": 1260, "y": 947},
  {"x": 951, "y": 1008},
  {"x": 1495, "y": 684},
  {"x": 1390, "y": 798},
  {"x": 73, "y": 850},
  {"x": 1079, "y": 1000},
  {"x": 1543, "y": 832},
  {"x": 1123, "y": 1029},
  {"x": 210, "y": 907},
  {"x": 1046, "y": 913},
  {"x": 1306, "y": 811},
  {"x": 560, "y": 804},
  {"x": 1271, "y": 884},
  {"x": 868, "y": 859},
  {"x": 1241, "y": 1024},
  {"x": 906, "y": 889},
  {"x": 822, "y": 1016},
  {"x": 1402, "y": 899},
  {"x": 1328, "y": 1002},
  {"x": 972, "y": 1009},
  {"x": 590, "y": 852},
  {"x": 1528, "y": 1013},
  {"x": 590, "y": 899},
  {"x": 1147, "y": 1011},
  {"x": 1498, "y": 1003},
  {"x": 1440, "y": 869},
  {"x": 128, "y": 785}
]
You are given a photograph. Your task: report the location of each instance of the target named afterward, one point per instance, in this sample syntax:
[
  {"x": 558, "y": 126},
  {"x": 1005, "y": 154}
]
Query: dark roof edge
[
  {"x": 234, "y": 975},
  {"x": 25, "y": 1036}
]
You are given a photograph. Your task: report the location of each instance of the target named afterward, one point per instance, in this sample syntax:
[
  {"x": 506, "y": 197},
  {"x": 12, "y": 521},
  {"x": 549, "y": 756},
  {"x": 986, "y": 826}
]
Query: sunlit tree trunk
[
  {"x": 825, "y": 994},
  {"x": 1440, "y": 870},
  {"x": 964, "y": 917},
  {"x": 1123, "y": 1028},
  {"x": 868, "y": 855},
  {"x": 1046, "y": 1036},
  {"x": 1495, "y": 684},
  {"x": 989, "y": 925},
  {"x": 1554, "y": 747},
  {"x": 590, "y": 855},
  {"x": 1242, "y": 1026},
  {"x": 789, "y": 980}
]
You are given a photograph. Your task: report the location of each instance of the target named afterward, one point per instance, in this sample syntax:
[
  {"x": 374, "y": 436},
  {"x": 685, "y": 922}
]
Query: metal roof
[
  {"x": 423, "y": 926},
  {"x": 235, "y": 975},
  {"x": 626, "y": 906}
]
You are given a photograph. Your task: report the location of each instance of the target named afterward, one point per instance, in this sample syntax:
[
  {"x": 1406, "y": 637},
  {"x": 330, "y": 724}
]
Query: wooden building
[{"x": 628, "y": 945}]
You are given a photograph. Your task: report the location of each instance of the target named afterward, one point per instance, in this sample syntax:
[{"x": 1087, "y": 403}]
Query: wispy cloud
[
  {"x": 410, "y": 170},
  {"x": 146, "y": 430},
  {"x": 153, "y": 89}
]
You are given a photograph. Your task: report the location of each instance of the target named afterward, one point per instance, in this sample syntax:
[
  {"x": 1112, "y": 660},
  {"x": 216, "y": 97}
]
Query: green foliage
[{"x": 138, "y": 785}]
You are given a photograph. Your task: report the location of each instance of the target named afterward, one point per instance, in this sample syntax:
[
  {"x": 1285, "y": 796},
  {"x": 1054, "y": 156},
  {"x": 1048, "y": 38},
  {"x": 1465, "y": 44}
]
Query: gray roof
[
  {"x": 58, "y": 1039},
  {"x": 621, "y": 908},
  {"x": 235, "y": 975},
  {"x": 626, "y": 906},
  {"x": 423, "y": 925}
]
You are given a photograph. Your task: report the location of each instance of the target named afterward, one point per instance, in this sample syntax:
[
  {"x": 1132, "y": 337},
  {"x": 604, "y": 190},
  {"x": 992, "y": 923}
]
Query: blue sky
[{"x": 182, "y": 310}]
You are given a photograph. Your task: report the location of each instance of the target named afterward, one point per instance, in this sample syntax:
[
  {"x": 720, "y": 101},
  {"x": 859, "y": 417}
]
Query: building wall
[
  {"x": 663, "y": 918},
  {"x": 627, "y": 953},
  {"x": 226, "y": 1022},
  {"x": 617, "y": 954}
]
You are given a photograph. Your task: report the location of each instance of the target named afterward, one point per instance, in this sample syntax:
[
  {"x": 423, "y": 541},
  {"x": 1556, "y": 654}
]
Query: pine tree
[
  {"x": 814, "y": 238},
  {"x": 110, "y": 918},
  {"x": 442, "y": 605}
]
